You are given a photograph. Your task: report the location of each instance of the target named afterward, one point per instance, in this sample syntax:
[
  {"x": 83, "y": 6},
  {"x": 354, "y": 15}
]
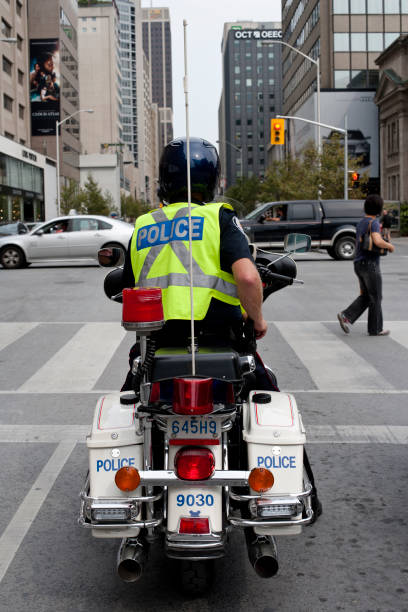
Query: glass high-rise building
[{"x": 251, "y": 96}]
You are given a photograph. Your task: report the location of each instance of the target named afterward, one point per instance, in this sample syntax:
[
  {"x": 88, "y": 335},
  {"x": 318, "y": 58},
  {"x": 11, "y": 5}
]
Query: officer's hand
[{"x": 260, "y": 327}]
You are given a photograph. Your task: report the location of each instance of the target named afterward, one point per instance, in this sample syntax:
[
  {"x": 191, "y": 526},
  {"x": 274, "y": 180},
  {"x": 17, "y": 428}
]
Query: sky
[{"x": 205, "y": 19}]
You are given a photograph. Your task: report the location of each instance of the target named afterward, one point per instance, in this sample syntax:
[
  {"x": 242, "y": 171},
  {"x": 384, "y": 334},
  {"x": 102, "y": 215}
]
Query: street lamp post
[
  {"x": 317, "y": 63},
  {"x": 336, "y": 129},
  {"x": 57, "y": 125},
  {"x": 239, "y": 149}
]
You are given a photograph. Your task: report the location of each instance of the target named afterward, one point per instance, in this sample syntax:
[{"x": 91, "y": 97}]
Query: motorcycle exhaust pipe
[
  {"x": 132, "y": 557},
  {"x": 262, "y": 553}
]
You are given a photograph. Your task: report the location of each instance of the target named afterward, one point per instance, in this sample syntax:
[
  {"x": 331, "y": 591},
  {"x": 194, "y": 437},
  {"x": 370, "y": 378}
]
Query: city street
[{"x": 62, "y": 346}]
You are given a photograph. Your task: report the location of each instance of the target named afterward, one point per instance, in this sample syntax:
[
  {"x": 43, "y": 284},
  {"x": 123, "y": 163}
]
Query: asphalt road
[{"x": 61, "y": 346}]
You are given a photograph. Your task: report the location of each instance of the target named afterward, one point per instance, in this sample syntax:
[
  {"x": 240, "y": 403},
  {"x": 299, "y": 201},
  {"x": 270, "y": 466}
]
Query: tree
[
  {"x": 244, "y": 193},
  {"x": 300, "y": 178},
  {"x": 132, "y": 208},
  {"x": 71, "y": 198},
  {"x": 94, "y": 202}
]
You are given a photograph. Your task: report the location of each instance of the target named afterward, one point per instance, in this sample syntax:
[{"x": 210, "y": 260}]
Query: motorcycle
[{"x": 195, "y": 451}]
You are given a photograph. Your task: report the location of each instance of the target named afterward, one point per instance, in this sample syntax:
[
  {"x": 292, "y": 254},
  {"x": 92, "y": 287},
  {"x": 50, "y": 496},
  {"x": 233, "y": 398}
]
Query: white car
[{"x": 73, "y": 238}]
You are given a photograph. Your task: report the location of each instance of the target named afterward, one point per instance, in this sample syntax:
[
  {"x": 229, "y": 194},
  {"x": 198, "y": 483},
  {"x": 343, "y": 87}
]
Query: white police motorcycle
[{"x": 192, "y": 454}]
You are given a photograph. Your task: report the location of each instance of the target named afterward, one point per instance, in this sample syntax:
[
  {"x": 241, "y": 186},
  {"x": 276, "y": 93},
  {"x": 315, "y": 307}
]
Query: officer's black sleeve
[
  {"x": 128, "y": 279},
  {"x": 234, "y": 244}
]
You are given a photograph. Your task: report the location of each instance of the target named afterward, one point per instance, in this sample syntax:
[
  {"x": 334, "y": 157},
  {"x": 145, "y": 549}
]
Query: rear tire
[
  {"x": 196, "y": 576},
  {"x": 345, "y": 248},
  {"x": 12, "y": 257}
]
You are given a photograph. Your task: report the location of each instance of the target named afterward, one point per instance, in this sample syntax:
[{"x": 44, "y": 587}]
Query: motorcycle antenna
[{"x": 193, "y": 368}]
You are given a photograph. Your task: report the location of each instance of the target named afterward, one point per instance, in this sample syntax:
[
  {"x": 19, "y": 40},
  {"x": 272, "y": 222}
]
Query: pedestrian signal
[{"x": 277, "y": 131}]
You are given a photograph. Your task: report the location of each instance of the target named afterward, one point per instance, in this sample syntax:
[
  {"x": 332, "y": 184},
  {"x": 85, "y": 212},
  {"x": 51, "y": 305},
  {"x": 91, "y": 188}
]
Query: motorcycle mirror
[
  {"x": 110, "y": 257},
  {"x": 297, "y": 243}
]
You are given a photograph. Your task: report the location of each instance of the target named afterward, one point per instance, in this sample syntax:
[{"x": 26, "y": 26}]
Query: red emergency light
[
  {"x": 193, "y": 395},
  {"x": 142, "y": 309}
]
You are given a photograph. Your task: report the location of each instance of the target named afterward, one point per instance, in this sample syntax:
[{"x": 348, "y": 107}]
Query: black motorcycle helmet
[{"x": 204, "y": 169}]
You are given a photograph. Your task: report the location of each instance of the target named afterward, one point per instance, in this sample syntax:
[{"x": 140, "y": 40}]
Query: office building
[
  {"x": 346, "y": 36},
  {"x": 54, "y": 86},
  {"x": 392, "y": 100},
  {"x": 15, "y": 111},
  {"x": 157, "y": 47},
  {"x": 136, "y": 98},
  {"x": 251, "y": 96}
]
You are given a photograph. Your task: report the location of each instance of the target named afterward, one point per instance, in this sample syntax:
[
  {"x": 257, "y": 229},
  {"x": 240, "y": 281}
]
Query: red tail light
[
  {"x": 192, "y": 395},
  {"x": 194, "y": 525},
  {"x": 155, "y": 392},
  {"x": 192, "y": 463},
  {"x": 142, "y": 306}
]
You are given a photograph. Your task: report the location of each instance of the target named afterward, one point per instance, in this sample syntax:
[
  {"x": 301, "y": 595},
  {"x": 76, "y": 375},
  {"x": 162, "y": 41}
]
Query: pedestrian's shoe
[
  {"x": 384, "y": 332},
  {"x": 344, "y": 322}
]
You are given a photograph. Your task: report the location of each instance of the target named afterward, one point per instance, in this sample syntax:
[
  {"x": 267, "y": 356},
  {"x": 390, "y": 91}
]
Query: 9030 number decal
[{"x": 199, "y": 500}]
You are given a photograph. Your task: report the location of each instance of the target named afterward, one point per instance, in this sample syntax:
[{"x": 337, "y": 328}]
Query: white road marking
[
  {"x": 24, "y": 517},
  {"x": 331, "y": 363},
  {"x": 399, "y": 331},
  {"x": 80, "y": 362},
  {"x": 10, "y": 332},
  {"x": 315, "y": 434}
]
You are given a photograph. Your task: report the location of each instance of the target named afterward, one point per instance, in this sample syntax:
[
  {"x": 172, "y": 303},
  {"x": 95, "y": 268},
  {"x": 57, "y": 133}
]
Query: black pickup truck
[{"x": 330, "y": 223}]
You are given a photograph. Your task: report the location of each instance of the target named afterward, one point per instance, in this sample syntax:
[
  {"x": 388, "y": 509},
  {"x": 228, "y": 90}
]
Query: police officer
[{"x": 224, "y": 274}]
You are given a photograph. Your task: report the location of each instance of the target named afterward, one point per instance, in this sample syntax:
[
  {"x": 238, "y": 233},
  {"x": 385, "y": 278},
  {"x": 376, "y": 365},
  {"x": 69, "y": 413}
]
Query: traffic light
[
  {"x": 277, "y": 131},
  {"x": 355, "y": 179}
]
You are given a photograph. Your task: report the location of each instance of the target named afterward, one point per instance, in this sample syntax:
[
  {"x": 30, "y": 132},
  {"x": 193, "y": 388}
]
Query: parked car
[
  {"x": 11, "y": 228},
  {"x": 331, "y": 224},
  {"x": 71, "y": 238}
]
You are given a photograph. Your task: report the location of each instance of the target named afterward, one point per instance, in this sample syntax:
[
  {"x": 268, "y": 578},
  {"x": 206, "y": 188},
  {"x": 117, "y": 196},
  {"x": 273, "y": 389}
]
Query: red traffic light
[
  {"x": 277, "y": 126},
  {"x": 355, "y": 176}
]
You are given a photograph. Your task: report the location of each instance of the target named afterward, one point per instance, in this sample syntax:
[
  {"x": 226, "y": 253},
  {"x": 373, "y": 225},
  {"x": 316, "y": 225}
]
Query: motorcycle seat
[{"x": 217, "y": 363}]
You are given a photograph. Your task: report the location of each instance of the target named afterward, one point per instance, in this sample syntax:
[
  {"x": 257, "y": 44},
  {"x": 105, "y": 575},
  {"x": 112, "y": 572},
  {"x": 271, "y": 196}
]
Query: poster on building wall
[
  {"x": 44, "y": 86},
  {"x": 362, "y": 124}
]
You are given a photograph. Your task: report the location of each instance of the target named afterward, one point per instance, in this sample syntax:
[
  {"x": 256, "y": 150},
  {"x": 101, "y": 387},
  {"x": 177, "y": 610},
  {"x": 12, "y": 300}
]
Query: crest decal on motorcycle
[{"x": 194, "y": 514}]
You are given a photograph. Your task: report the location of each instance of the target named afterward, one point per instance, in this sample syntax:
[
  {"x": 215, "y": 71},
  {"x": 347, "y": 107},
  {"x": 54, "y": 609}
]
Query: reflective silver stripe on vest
[{"x": 201, "y": 279}]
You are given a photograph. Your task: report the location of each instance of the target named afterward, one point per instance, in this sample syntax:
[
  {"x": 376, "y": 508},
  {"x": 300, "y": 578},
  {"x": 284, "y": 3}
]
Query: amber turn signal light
[
  {"x": 261, "y": 480},
  {"x": 127, "y": 478}
]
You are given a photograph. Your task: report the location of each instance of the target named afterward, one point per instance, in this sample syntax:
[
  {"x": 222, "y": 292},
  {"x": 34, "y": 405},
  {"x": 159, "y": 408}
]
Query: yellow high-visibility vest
[{"x": 160, "y": 257}]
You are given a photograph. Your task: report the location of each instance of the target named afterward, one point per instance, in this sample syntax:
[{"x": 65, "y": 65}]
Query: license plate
[{"x": 197, "y": 427}]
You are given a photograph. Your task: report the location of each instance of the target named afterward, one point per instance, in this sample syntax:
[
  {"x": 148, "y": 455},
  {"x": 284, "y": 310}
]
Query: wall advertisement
[
  {"x": 44, "y": 86},
  {"x": 362, "y": 124}
]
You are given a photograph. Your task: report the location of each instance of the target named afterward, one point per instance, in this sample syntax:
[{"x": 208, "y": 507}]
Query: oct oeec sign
[{"x": 258, "y": 34}]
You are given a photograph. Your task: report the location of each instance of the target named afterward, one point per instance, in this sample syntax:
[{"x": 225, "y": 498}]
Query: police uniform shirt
[{"x": 233, "y": 246}]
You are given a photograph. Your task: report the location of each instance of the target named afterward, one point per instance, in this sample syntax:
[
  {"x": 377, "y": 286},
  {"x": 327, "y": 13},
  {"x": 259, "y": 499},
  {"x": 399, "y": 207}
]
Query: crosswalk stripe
[
  {"x": 399, "y": 331},
  {"x": 10, "y": 332},
  {"x": 315, "y": 434},
  {"x": 331, "y": 363},
  {"x": 80, "y": 362}
]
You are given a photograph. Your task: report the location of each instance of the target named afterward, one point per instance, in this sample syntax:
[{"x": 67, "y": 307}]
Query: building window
[
  {"x": 7, "y": 65},
  {"x": 21, "y": 111},
  {"x": 271, "y": 82},
  {"x": 340, "y": 7},
  {"x": 375, "y": 41},
  {"x": 341, "y": 79},
  {"x": 391, "y": 7},
  {"x": 404, "y": 7},
  {"x": 237, "y": 121},
  {"x": 358, "y": 41},
  {"x": 237, "y": 82},
  {"x": 248, "y": 82},
  {"x": 374, "y": 7},
  {"x": 260, "y": 82},
  {"x": 341, "y": 41},
  {"x": 20, "y": 77},
  {"x": 8, "y": 135},
  {"x": 357, "y": 7},
  {"x": 389, "y": 38},
  {"x": 237, "y": 69},
  {"x": 19, "y": 6},
  {"x": 19, "y": 43},
  {"x": 8, "y": 103},
  {"x": 249, "y": 121}
]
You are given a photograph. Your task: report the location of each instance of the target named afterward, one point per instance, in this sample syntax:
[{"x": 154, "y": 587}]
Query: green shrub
[{"x": 404, "y": 219}]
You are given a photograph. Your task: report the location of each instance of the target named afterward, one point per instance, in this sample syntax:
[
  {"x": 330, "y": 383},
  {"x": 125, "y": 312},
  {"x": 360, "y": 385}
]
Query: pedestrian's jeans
[{"x": 369, "y": 276}]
